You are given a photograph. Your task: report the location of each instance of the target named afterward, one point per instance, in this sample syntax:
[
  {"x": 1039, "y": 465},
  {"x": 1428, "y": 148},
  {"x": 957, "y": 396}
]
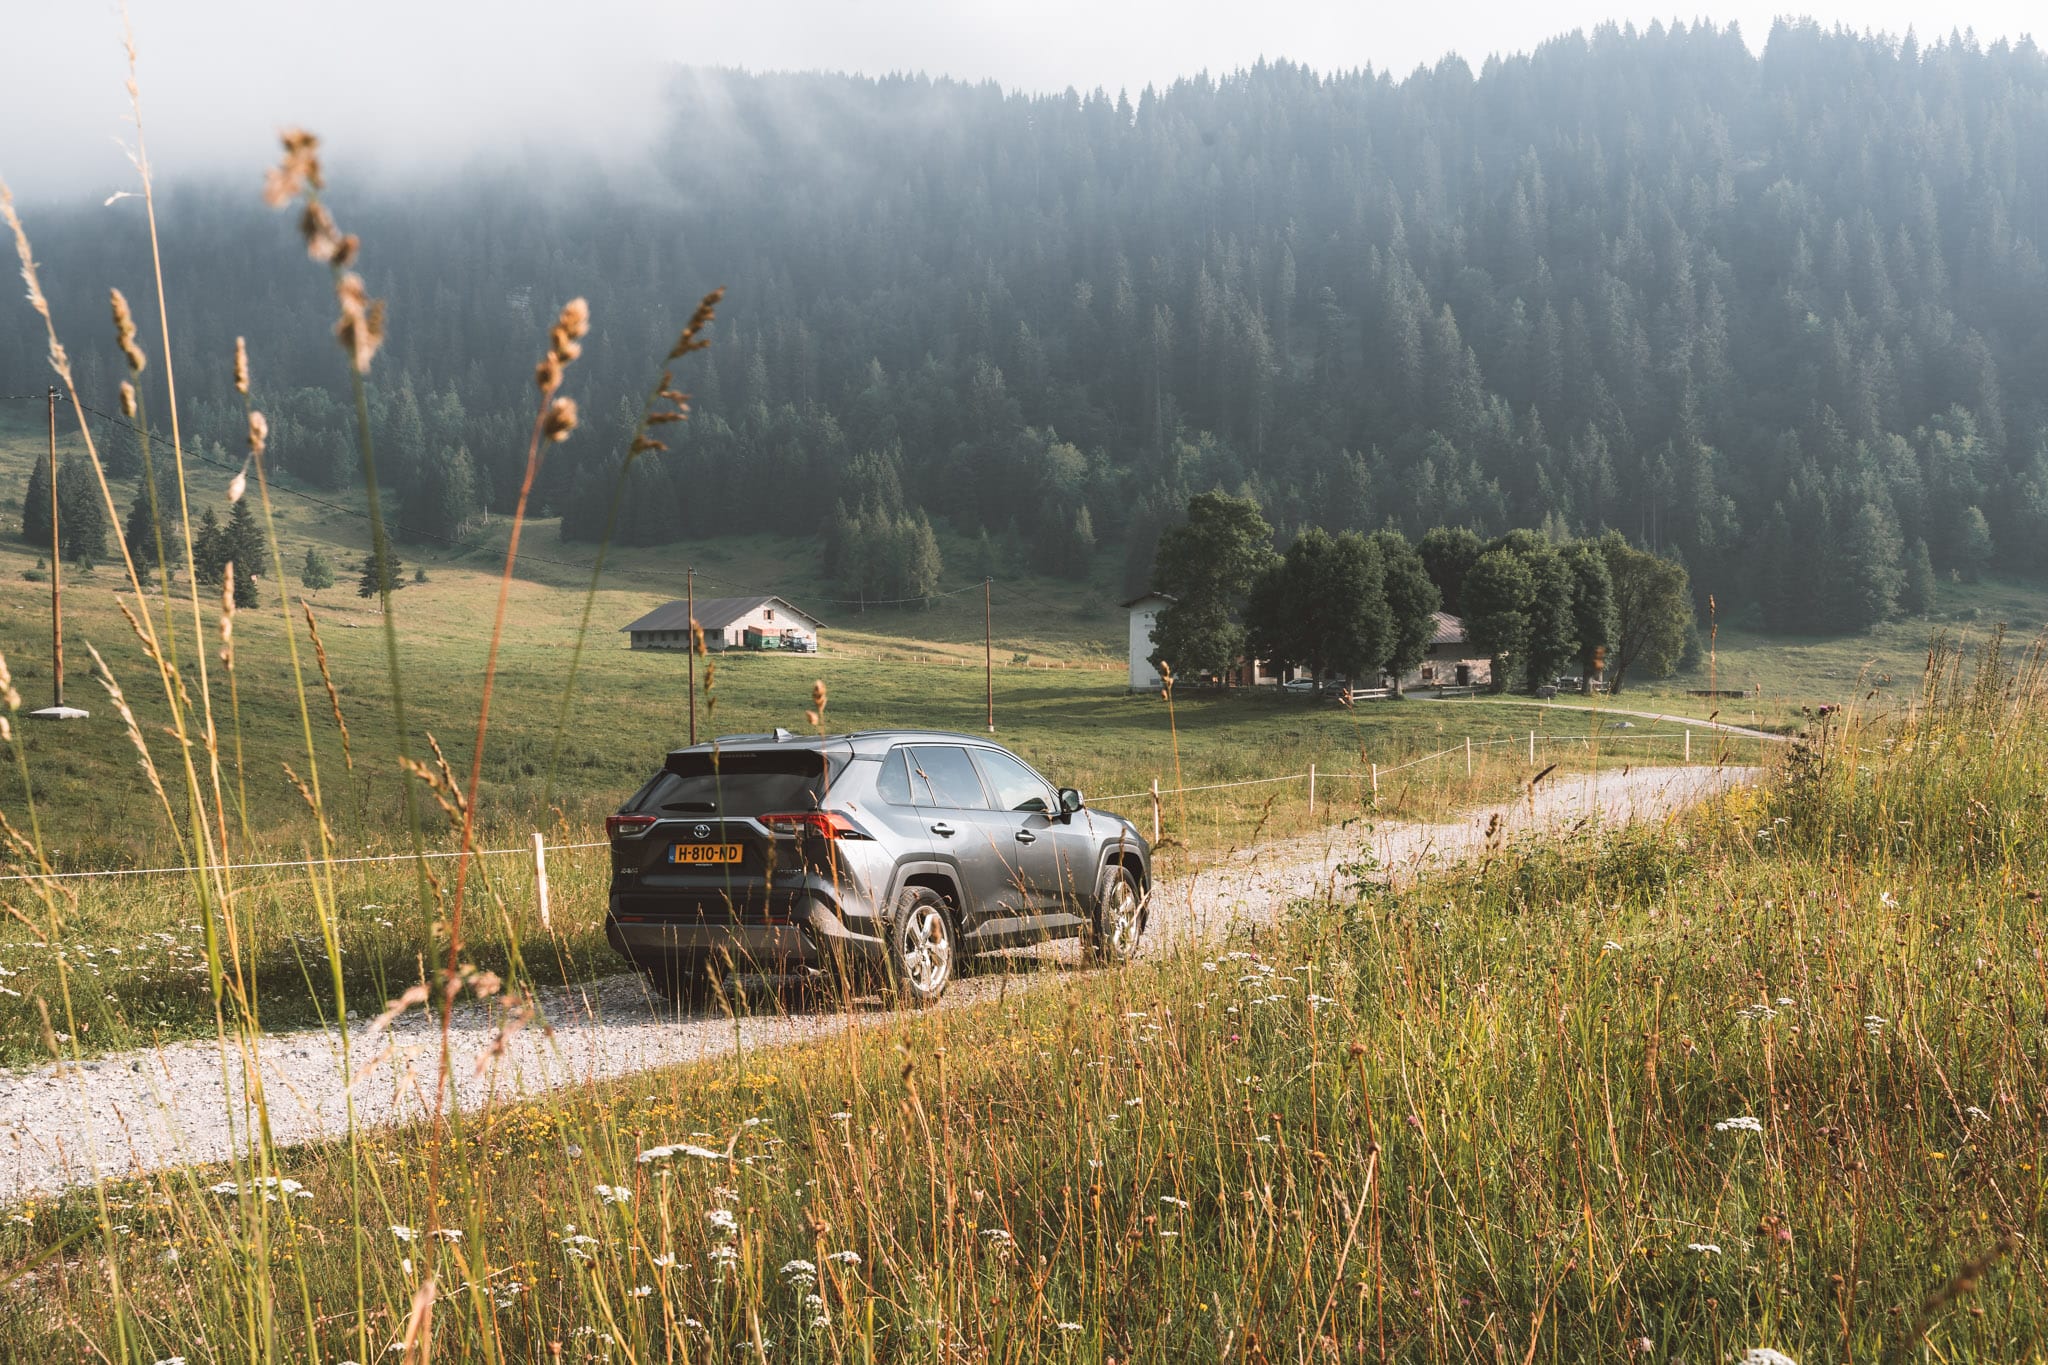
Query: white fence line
[
  {"x": 1539, "y": 738},
  {"x": 302, "y": 862}
]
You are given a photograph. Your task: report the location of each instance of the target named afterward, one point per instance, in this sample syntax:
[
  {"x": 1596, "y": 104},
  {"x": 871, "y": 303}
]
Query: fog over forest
[{"x": 1777, "y": 314}]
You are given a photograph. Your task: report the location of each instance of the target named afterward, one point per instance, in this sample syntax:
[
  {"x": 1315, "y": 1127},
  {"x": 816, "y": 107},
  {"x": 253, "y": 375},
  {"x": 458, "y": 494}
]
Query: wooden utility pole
[
  {"x": 56, "y": 563},
  {"x": 690, "y": 580},
  {"x": 988, "y": 651}
]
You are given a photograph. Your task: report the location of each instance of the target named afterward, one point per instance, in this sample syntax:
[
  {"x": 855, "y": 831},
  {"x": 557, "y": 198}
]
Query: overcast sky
[{"x": 415, "y": 84}]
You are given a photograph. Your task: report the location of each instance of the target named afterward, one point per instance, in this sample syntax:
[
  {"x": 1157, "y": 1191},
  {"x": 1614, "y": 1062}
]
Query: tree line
[
  {"x": 1773, "y": 316},
  {"x": 1363, "y": 607}
]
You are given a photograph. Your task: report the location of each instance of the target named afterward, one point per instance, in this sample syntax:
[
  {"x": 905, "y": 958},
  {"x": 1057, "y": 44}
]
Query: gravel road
[{"x": 138, "y": 1111}]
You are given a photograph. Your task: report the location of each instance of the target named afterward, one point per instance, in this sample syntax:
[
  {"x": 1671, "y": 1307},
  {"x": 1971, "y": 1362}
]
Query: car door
[
  {"x": 1022, "y": 818},
  {"x": 947, "y": 790}
]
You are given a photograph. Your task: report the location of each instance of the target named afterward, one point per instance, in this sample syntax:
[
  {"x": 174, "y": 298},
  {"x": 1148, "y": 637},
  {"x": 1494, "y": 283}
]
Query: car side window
[
  {"x": 943, "y": 775},
  {"x": 894, "y": 784},
  {"x": 1015, "y": 786}
]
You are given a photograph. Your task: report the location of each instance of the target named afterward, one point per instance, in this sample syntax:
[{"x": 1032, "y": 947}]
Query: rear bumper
[{"x": 809, "y": 934}]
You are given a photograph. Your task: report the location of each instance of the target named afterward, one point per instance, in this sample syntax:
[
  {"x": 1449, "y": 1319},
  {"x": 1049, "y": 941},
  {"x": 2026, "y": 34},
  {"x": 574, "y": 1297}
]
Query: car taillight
[
  {"x": 827, "y": 824},
  {"x": 627, "y": 826}
]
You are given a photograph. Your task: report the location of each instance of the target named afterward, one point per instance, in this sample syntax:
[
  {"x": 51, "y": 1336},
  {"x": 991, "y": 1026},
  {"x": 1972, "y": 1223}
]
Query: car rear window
[{"x": 741, "y": 782}]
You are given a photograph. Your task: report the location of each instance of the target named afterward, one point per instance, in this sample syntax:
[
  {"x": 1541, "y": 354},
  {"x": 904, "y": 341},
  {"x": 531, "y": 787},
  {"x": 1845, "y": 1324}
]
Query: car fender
[
  {"x": 1111, "y": 851},
  {"x": 920, "y": 867}
]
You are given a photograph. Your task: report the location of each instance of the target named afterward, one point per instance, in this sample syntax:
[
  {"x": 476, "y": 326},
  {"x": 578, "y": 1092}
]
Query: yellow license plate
[{"x": 704, "y": 853}]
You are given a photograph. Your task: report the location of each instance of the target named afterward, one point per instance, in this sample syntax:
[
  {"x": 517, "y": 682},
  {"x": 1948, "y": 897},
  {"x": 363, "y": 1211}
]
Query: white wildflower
[
  {"x": 1742, "y": 1124},
  {"x": 1974, "y": 1112},
  {"x": 1610, "y": 947},
  {"x": 664, "y": 1261},
  {"x": 1765, "y": 1355},
  {"x": 999, "y": 1236},
  {"x": 639, "y": 1291},
  {"x": 841, "y": 1117},
  {"x": 1703, "y": 1248},
  {"x": 845, "y": 1257},
  {"x": 724, "y": 1220},
  {"x": 614, "y": 1194},
  {"x": 1176, "y": 1202},
  {"x": 679, "y": 1149},
  {"x": 1873, "y": 1024},
  {"x": 403, "y": 1233}
]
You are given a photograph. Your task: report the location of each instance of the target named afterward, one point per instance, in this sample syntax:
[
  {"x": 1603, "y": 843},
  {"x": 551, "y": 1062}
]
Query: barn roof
[
  {"x": 714, "y": 613},
  {"x": 1149, "y": 596},
  {"x": 1449, "y": 629}
]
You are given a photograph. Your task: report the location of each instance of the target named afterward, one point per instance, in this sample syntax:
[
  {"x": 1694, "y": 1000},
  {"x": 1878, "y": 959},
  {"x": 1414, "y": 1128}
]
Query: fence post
[
  {"x": 1532, "y": 748},
  {"x": 1468, "y": 756},
  {"x": 1688, "y": 744},
  {"x": 540, "y": 878},
  {"x": 1311, "y": 790},
  {"x": 1375, "y": 779},
  {"x": 1155, "y": 810}
]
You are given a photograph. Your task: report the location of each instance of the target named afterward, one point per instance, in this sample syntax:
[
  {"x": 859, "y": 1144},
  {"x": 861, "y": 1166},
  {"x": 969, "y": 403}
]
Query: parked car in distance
[
  {"x": 888, "y": 853},
  {"x": 1299, "y": 686}
]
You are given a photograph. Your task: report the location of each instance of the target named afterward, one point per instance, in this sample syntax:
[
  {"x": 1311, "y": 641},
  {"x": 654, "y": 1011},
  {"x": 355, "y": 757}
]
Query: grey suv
[{"x": 889, "y": 852}]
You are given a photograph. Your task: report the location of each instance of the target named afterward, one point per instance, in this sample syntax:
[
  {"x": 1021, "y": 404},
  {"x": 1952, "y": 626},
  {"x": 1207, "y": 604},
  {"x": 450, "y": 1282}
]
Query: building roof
[
  {"x": 714, "y": 613},
  {"x": 1449, "y": 629},
  {"x": 1148, "y": 596}
]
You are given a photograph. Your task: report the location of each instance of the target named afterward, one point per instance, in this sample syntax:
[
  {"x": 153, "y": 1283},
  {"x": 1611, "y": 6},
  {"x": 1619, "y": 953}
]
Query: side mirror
[{"x": 1070, "y": 801}]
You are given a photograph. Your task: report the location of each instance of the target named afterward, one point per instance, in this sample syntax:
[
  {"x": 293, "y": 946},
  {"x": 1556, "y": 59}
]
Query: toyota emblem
[{"x": 701, "y": 831}]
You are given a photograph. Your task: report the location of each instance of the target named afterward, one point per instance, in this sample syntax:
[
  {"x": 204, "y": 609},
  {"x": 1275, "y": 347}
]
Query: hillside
[{"x": 1776, "y": 314}]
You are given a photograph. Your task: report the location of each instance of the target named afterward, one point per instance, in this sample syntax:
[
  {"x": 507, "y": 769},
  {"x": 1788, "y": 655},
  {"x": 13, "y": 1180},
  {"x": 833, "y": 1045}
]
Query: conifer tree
[{"x": 380, "y": 575}]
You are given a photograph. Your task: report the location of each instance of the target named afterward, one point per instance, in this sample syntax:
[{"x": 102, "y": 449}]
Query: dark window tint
[
  {"x": 741, "y": 782},
  {"x": 943, "y": 775},
  {"x": 1016, "y": 786},
  {"x": 893, "y": 785}
]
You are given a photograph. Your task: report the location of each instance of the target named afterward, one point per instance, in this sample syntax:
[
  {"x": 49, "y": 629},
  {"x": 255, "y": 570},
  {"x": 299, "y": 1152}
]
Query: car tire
[
  {"x": 688, "y": 980},
  {"x": 1118, "y": 920},
  {"x": 924, "y": 951}
]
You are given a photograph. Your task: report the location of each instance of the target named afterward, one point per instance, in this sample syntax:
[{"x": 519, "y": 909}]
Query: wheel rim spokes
[
  {"x": 927, "y": 955},
  {"x": 1123, "y": 920}
]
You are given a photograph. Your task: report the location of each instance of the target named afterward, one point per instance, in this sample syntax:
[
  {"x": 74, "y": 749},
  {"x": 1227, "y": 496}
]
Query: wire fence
[
  {"x": 296, "y": 862},
  {"x": 1534, "y": 742}
]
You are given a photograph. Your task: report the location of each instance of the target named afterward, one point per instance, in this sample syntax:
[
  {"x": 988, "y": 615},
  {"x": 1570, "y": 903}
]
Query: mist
[{"x": 417, "y": 93}]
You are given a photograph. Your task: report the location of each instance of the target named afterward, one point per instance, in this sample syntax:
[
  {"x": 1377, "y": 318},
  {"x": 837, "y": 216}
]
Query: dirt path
[{"x": 137, "y": 1111}]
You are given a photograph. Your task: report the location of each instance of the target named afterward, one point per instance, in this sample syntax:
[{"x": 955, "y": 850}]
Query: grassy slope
[{"x": 1486, "y": 1118}]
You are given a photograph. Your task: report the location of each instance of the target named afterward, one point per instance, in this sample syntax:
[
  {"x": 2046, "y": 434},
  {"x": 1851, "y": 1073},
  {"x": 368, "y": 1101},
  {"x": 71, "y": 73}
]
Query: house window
[{"x": 771, "y": 613}]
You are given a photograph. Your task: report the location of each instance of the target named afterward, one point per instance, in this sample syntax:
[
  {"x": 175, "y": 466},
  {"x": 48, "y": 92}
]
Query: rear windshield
[{"x": 740, "y": 782}]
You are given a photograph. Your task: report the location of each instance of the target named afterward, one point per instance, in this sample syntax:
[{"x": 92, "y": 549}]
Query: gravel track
[{"x": 133, "y": 1112}]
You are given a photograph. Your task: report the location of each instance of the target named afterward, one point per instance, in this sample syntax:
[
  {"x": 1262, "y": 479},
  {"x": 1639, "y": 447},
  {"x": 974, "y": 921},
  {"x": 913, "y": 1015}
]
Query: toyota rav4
[{"x": 890, "y": 853}]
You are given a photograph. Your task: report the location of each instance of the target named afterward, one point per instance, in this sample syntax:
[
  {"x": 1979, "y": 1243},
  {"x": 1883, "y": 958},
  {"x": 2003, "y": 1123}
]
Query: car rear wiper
[{"x": 705, "y": 806}]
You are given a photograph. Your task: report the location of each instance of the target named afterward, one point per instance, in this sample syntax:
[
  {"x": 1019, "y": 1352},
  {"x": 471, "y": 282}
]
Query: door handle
[
  {"x": 1025, "y": 836},
  {"x": 944, "y": 829}
]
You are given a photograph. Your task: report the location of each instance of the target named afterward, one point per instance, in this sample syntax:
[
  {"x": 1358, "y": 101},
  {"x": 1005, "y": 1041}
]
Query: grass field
[{"x": 1767, "y": 1077}]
